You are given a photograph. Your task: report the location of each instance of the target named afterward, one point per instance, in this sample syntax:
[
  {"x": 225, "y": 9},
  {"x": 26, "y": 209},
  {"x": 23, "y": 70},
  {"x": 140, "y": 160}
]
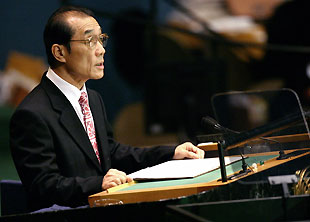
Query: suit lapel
[
  {"x": 74, "y": 127},
  {"x": 100, "y": 126},
  {"x": 70, "y": 120}
]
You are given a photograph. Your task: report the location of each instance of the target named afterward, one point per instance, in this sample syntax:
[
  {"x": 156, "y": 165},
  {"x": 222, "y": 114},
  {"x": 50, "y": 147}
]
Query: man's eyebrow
[{"x": 90, "y": 31}]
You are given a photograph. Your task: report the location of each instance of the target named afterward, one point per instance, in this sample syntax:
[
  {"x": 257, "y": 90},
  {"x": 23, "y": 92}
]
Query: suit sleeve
[
  {"x": 129, "y": 159},
  {"x": 34, "y": 156}
]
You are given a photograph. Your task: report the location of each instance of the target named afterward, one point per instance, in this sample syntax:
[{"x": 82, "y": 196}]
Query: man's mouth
[{"x": 100, "y": 65}]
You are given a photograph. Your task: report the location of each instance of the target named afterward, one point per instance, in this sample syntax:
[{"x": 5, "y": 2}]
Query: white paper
[{"x": 175, "y": 169}]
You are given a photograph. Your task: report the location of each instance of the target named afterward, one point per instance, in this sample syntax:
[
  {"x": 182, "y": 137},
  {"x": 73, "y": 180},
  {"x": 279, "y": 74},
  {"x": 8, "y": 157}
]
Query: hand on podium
[
  {"x": 188, "y": 150},
  {"x": 113, "y": 178}
]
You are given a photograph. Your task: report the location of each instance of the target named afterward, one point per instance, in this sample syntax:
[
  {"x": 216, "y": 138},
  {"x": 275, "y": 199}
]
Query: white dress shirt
[{"x": 72, "y": 93}]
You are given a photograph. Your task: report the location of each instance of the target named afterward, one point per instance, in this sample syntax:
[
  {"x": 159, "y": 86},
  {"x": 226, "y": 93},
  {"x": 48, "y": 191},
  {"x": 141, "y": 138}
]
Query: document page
[{"x": 176, "y": 169}]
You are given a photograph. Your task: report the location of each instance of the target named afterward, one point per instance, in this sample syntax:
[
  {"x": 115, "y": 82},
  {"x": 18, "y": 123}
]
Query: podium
[{"x": 160, "y": 190}]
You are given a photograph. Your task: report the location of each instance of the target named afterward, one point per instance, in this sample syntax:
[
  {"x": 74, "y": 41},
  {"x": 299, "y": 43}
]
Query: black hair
[{"x": 58, "y": 31}]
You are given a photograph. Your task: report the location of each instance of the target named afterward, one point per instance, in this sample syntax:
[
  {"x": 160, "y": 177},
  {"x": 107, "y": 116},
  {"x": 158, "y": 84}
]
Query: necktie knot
[{"x": 83, "y": 99}]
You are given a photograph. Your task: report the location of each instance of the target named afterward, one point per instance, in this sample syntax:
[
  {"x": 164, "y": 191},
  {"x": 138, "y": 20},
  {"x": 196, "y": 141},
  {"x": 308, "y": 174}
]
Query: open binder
[{"x": 180, "y": 169}]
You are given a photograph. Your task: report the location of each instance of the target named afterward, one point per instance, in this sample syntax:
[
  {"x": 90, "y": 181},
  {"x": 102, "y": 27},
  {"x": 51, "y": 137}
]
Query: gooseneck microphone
[{"x": 209, "y": 121}]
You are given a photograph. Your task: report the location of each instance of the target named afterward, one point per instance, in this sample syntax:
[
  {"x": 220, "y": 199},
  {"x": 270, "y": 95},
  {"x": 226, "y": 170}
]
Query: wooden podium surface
[{"x": 167, "y": 189}]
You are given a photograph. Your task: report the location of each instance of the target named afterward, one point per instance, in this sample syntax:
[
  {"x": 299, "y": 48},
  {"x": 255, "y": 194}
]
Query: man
[{"x": 60, "y": 138}]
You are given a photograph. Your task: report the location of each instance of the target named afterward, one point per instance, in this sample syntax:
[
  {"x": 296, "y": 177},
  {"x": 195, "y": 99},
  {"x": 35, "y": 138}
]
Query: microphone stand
[
  {"x": 219, "y": 127},
  {"x": 220, "y": 149},
  {"x": 242, "y": 172}
]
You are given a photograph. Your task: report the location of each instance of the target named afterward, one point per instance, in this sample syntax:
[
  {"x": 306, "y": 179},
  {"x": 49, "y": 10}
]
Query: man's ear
[{"x": 59, "y": 52}]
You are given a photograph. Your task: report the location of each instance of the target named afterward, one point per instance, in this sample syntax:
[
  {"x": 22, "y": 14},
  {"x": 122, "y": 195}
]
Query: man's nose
[{"x": 100, "y": 50}]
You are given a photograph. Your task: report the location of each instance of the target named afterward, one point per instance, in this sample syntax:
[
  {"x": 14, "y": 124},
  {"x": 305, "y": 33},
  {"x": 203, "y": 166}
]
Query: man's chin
[{"x": 98, "y": 75}]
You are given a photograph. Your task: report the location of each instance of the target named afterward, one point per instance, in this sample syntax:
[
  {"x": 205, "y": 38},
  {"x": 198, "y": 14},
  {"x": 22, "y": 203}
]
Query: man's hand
[
  {"x": 188, "y": 150},
  {"x": 113, "y": 178}
]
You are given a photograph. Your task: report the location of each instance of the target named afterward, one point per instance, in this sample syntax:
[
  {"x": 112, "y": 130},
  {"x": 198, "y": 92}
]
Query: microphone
[{"x": 207, "y": 120}]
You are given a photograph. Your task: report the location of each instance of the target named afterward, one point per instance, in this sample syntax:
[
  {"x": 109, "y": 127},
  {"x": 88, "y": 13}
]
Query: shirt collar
[{"x": 70, "y": 91}]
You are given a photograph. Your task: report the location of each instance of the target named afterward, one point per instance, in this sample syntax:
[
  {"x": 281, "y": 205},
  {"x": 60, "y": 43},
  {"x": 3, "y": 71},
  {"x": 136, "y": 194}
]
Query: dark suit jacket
[{"x": 53, "y": 155}]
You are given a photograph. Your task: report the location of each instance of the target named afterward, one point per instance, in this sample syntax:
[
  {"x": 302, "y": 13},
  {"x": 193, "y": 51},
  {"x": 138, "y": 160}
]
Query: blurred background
[{"x": 164, "y": 61}]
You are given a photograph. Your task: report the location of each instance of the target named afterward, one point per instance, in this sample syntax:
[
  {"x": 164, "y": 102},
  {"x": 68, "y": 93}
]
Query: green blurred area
[{"x": 7, "y": 168}]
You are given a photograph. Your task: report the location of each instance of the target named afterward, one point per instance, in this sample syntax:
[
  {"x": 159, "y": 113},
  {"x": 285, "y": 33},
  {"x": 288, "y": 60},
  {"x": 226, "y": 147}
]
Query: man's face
[{"x": 84, "y": 62}]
